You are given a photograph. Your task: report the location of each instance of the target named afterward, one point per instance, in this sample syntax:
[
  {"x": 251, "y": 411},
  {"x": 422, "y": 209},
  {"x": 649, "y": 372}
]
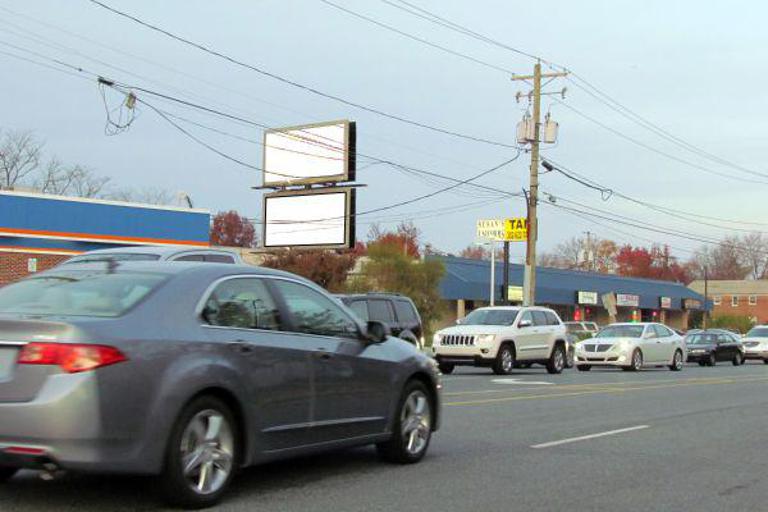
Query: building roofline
[{"x": 40, "y": 195}]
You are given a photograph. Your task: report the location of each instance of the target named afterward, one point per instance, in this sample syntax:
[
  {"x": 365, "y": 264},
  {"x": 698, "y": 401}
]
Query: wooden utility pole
[{"x": 529, "y": 280}]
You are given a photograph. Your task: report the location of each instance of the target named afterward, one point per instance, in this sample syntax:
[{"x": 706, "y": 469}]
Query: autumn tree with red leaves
[
  {"x": 232, "y": 230},
  {"x": 327, "y": 268},
  {"x": 655, "y": 262}
]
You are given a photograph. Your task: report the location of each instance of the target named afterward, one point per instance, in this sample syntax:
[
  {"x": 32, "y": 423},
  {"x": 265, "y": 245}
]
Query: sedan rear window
[
  {"x": 78, "y": 294},
  {"x": 126, "y": 256}
]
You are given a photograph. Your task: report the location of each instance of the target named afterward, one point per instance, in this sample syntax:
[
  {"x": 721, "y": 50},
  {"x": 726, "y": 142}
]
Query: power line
[
  {"x": 298, "y": 85},
  {"x": 592, "y": 91},
  {"x": 661, "y": 209},
  {"x": 415, "y": 38}
]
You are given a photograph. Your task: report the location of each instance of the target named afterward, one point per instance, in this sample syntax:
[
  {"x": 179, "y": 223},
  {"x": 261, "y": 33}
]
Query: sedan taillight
[{"x": 70, "y": 357}]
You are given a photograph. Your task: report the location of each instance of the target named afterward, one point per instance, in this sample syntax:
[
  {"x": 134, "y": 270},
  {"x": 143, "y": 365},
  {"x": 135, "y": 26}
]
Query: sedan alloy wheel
[{"x": 207, "y": 451}]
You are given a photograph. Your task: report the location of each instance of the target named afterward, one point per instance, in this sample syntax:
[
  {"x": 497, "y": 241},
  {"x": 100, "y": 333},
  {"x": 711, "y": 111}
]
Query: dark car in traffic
[
  {"x": 714, "y": 345},
  {"x": 396, "y": 311},
  {"x": 189, "y": 371}
]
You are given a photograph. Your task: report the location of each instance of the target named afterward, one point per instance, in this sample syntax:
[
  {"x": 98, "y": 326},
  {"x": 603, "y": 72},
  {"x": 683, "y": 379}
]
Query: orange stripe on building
[{"x": 86, "y": 236}]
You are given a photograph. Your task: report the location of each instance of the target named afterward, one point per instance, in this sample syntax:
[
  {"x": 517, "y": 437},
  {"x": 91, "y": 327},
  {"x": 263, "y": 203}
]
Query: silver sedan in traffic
[{"x": 189, "y": 371}]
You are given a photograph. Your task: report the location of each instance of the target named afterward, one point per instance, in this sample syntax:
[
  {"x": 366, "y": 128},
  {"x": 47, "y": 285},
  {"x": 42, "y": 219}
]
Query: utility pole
[
  {"x": 529, "y": 280},
  {"x": 706, "y": 295}
]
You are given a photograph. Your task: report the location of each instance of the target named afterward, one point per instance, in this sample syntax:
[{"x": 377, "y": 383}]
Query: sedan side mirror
[
  {"x": 376, "y": 332},
  {"x": 524, "y": 323},
  {"x": 459, "y": 321}
]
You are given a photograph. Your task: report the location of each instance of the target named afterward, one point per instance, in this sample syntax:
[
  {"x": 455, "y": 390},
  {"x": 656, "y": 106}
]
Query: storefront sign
[
  {"x": 503, "y": 230},
  {"x": 627, "y": 300},
  {"x": 665, "y": 302},
  {"x": 515, "y": 293},
  {"x": 588, "y": 298},
  {"x": 692, "y": 304}
]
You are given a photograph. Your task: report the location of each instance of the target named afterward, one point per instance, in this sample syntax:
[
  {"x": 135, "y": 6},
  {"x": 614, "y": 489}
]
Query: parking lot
[{"x": 530, "y": 441}]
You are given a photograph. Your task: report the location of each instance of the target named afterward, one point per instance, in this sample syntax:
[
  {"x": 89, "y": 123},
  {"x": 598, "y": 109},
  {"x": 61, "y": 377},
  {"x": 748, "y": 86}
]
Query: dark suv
[{"x": 395, "y": 311}]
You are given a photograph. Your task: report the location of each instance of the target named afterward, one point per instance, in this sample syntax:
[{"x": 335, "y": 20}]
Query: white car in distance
[
  {"x": 756, "y": 343},
  {"x": 632, "y": 346},
  {"x": 502, "y": 337}
]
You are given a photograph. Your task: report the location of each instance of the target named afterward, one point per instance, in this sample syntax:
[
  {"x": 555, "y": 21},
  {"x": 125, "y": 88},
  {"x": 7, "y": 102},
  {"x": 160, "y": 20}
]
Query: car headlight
[{"x": 485, "y": 338}]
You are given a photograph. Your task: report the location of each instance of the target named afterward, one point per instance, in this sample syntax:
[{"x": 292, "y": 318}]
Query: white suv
[{"x": 503, "y": 337}]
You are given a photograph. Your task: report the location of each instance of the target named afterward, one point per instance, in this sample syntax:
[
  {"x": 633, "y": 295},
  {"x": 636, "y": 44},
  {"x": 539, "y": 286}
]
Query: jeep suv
[
  {"x": 396, "y": 311},
  {"x": 502, "y": 338}
]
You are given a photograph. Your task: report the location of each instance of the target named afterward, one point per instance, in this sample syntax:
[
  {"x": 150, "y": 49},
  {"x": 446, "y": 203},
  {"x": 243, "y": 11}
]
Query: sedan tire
[
  {"x": 636, "y": 363},
  {"x": 738, "y": 359},
  {"x": 505, "y": 360},
  {"x": 7, "y": 473},
  {"x": 677, "y": 362},
  {"x": 712, "y": 360},
  {"x": 412, "y": 428},
  {"x": 202, "y": 454}
]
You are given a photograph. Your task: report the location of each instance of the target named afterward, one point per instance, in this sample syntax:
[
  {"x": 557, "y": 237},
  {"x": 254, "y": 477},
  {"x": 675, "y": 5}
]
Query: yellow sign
[
  {"x": 503, "y": 230},
  {"x": 515, "y": 293}
]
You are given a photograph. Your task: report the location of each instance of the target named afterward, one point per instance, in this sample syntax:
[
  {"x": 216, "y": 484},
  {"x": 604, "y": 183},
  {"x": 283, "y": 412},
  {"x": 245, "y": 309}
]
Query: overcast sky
[{"x": 696, "y": 69}]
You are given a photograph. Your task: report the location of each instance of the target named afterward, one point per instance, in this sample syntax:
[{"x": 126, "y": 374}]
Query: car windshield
[
  {"x": 701, "y": 339},
  {"x": 78, "y": 294},
  {"x": 621, "y": 331},
  {"x": 758, "y": 332},
  {"x": 491, "y": 317},
  {"x": 124, "y": 256}
]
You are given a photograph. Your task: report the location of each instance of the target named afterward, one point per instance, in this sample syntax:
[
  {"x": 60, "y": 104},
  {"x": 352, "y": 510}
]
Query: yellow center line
[{"x": 607, "y": 390}]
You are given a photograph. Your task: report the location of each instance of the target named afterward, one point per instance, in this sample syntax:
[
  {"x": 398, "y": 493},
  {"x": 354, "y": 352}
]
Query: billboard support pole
[
  {"x": 505, "y": 289},
  {"x": 493, "y": 274}
]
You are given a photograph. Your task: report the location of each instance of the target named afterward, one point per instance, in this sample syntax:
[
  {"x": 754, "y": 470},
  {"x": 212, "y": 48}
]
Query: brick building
[
  {"x": 39, "y": 231},
  {"x": 740, "y": 298}
]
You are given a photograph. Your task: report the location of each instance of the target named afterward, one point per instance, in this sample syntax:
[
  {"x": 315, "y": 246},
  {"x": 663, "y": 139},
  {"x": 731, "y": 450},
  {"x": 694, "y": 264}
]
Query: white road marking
[
  {"x": 521, "y": 381},
  {"x": 590, "y": 436}
]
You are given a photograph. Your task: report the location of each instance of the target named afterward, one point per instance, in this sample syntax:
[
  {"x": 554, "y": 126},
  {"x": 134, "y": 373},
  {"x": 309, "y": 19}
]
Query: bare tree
[
  {"x": 56, "y": 178},
  {"x": 754, "y": 254},
  {"x": 20, "y": 156},
  {"x": 144, "y": 195}
]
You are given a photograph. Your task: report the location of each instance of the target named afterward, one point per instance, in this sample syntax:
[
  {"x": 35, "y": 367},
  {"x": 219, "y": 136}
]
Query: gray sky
[{"x": 695, "y": 69}]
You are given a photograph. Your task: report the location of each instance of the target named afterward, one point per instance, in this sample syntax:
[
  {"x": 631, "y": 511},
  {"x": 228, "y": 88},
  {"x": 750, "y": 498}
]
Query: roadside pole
[
  {"x": 706, "y": 295},
  {"x": 529, "y": 279},
  {"x": 505, "y": 288},
  {"x": 493, "y": 274}
]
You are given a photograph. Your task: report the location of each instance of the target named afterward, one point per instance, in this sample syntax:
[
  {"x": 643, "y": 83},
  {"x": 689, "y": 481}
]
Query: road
[{"x": 604, "y": 440}]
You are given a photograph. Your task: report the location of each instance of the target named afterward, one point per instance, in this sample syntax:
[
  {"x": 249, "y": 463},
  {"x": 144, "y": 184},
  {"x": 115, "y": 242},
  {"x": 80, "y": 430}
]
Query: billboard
[
  {"x": 310, "y": 218},
  {"x": 307, "y": 154}
]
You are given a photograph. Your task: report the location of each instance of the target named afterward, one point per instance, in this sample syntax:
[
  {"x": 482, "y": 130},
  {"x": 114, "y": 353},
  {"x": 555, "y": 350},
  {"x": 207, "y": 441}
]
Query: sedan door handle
[{"x": 322, "y": 354}]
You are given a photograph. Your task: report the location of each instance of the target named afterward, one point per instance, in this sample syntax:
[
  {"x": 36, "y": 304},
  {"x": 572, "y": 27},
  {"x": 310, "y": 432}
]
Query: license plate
[{"x": 7, "y": 360}]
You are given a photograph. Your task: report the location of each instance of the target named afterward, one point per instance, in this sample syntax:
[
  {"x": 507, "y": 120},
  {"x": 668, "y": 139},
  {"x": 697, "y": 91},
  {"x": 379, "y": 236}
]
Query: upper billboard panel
[
  {"x": 312, "y": 218},
  {"x": 313, "y": 153}
]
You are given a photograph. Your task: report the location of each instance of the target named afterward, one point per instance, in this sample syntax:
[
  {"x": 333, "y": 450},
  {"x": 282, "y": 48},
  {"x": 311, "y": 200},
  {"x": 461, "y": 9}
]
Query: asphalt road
[{"x": 604, "y": 440}]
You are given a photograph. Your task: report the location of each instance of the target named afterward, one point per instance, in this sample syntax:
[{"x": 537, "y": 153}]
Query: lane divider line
[{"x": 590, "y": 436}]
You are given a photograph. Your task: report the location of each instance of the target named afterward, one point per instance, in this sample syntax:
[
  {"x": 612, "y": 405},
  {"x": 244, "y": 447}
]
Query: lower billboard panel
[{"x": 322, "y": 218}]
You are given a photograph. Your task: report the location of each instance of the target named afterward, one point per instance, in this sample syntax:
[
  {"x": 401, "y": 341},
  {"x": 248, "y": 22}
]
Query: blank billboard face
[
  {"x": 295, "y": 220},
  {"x": 321, "y": 153}
]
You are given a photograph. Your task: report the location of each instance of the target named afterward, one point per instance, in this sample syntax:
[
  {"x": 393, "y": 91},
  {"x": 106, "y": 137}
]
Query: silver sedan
[{"x": 189, "y": 371}]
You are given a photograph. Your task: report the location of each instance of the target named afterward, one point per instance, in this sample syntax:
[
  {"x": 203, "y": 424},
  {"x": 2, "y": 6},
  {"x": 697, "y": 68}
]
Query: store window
[
  {"x": 735, "y": 301},
  {"x": 753, "y": 300},
  {"x": 717, "y": 300}
]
